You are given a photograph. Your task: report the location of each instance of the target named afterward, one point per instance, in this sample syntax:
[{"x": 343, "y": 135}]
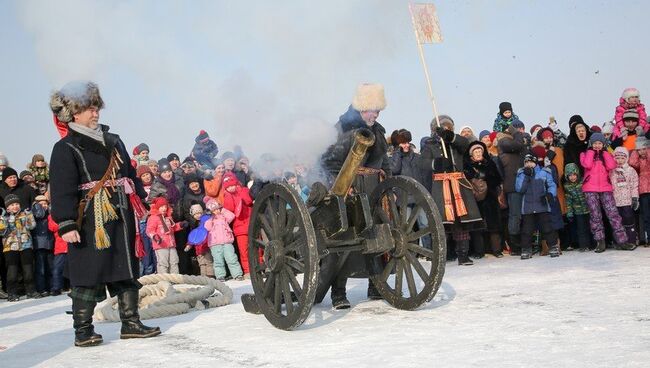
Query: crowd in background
[{"x": 538, "y": 190}]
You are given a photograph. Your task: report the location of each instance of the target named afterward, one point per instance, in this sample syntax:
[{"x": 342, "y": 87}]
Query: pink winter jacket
[
  {"x": 626, "y": 185},
  {"x": 218, "y": 227},
  {"x": 597, "y": 171},
  {"x": 618, "y": 117},
  {"x": 642, "y": 166},
  {"x": 163, "y": 228}
]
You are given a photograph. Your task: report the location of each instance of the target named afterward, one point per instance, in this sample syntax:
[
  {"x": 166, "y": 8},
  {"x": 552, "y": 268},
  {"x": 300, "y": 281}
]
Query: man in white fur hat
[{"x": 366, "y": 105}]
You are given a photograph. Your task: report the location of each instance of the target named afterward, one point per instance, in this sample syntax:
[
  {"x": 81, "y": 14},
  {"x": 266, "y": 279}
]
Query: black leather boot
[
  {"x": 462, "y": 250},
  {"x": 131, "y": 325},
  {"x": 373, "y": 293},
  {"x": 600, "y": 246},
  {"x": 82, "y": 317}
]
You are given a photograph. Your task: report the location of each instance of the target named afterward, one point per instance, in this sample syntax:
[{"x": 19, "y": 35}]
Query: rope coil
[{"x": 159, "y": 298}]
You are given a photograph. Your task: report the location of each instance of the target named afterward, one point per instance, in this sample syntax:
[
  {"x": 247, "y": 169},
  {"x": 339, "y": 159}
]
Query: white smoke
[{"x": 268, "y": 76}]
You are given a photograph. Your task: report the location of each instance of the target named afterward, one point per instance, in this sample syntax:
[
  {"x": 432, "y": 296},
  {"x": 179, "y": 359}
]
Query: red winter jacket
[
  {"x": 240, "y": 203},
  {"x": 597, "y": 171},
  {"x": 60, "y": 246},
  {"x": 161, "y": 228}
]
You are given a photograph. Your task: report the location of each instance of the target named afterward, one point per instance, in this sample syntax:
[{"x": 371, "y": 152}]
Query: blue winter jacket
[{"x": 534, "y": 189}]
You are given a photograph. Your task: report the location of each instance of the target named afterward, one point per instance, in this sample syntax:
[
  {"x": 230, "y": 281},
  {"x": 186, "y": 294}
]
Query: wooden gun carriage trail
[{"x": 287, "y": 240}]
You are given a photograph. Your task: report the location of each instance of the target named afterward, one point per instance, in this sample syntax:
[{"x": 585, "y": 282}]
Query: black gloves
[
  {"x": 529, "y": 171},
  {"x": 183, "y": 224},
  {"x": 445, "y": 134}
]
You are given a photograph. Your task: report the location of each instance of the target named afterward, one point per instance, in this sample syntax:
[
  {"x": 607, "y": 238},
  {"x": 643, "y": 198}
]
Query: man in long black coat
[
  {"x": 101, "y": 252},
  {"x": 366, "y": 105}
]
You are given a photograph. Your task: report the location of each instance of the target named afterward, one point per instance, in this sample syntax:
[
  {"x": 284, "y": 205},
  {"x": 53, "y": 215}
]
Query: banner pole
[{"x": 426, "y": 74}]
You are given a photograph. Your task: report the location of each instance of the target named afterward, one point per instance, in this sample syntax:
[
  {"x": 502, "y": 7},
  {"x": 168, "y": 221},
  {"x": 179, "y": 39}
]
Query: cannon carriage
[{"x": 287, "y": 239}]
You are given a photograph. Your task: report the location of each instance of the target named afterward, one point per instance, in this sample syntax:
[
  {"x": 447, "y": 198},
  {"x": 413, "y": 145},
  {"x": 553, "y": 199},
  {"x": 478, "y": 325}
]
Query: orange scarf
[{"x": 451, "y": 184}]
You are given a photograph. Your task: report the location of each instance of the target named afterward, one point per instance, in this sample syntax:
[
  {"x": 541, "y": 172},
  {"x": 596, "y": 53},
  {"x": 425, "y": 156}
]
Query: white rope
[{"x": 159, "y": 298}]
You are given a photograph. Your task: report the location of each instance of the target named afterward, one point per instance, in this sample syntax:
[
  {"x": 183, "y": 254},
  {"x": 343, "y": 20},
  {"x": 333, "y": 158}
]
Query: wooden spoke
[
  {"x": 291, "y": 223},
  {"x": 277, "y": 295},
  {"x": 271, "y": 215},
  {"x": 268, "y": 285},
  {"x": 410, "y": 281},
  {"x": 293, "y": 281},
  {"x": 398, "y": 278},
  {"x": 414, "y": 216},
  {"x": 387, "y": 269},
  {"x": 282, "y": 212},
  {"x": 394, "y": 213},
  {"x": 266, "y": 226},
  {"x": 293, "y": 246},
  {"x": 295, "y": 264},
  {"x": 403, "y": 204},
  {"x": 417, "y": 265},
  {"x": 421, "y": 250},
  {"x": 259, "y": 243},
  {"x": 417, "y": 235},
  {"x": 286, "y": 293}
]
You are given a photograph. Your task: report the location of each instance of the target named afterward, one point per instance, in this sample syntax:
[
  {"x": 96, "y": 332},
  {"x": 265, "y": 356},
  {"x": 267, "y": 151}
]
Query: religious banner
[{"x": 426, "y": 23}]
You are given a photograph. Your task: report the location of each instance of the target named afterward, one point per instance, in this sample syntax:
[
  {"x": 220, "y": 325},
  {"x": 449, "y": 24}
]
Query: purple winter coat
[{"x": 597, "y": 171}]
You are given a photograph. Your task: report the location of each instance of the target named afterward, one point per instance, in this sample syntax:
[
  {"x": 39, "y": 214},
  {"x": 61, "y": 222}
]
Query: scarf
[
  {"x": 173, "y": 195},
  {"x": 96, "y": 134}
]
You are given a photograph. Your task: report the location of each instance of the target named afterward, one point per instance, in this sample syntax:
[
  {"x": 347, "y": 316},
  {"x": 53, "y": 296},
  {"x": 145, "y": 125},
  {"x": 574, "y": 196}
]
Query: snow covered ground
[{"x": 579, "y": 310}]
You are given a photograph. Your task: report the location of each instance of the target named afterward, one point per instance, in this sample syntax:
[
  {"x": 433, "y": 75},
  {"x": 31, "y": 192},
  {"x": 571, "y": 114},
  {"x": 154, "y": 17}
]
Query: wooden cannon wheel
[
  {"x": 413, "y": 283},
  {"x": 282, "y": 255}
]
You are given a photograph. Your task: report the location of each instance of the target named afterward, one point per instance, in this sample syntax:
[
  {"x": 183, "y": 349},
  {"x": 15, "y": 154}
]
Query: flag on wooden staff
[{"x": 426, "y": 23}]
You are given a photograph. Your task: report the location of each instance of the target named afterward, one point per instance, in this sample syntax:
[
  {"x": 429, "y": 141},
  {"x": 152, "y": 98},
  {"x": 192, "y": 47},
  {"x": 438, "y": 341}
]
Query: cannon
[{"x": 287, "y": 239}]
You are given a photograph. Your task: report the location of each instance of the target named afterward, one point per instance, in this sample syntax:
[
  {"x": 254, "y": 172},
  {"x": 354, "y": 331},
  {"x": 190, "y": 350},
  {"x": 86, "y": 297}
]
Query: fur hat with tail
[
  {"x": 73, "y": 98},
  {"x": 369, "y": 97}
]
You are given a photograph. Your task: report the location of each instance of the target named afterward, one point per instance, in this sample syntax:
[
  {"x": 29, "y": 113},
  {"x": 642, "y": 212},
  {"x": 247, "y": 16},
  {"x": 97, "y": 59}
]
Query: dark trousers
[
  {"x": 3, "y": 272},
  {"x": 57, "y": 271},
  {"x": 534, "y": 221},
  {"x": 579, "y": 231},
  {"x": 644, "y": 200},
  {"x": 149, "y": 259},
  {"x": 629, "y": 222},
  {"x": 184, "y": 258},
  {"x": 44, "y": 262},
  {"x": 14, "y": 260}
]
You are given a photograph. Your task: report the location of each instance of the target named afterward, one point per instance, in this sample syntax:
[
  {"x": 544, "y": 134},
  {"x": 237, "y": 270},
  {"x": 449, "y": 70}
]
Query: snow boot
[
  {"x": 82, "y": 317},
  {"x": 495, "y": 245},
  {"x": 3, "y": 295},
  {"x": 462, "y": 249},
  {"x": 626, "y": 246},
  {"x": 131, "y": 325},
  {"x": 526, "y": 253},
  {"x": 600, "y": 246},
  {"x": 554, "y": 251},
  {"x": 341, "y": 302}
]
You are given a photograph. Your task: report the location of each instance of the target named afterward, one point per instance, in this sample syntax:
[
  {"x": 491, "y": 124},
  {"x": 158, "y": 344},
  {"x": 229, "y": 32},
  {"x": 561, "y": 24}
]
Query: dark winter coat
[
  {"x": 512, "y": 149},
  {"x": 576, "y": 203},
  {"x": 78, "y": 159},
  {"x": 534, "y": 189},
  {"x": 574, "y": 146},
  {"x": 158, "y": 189},
  {"x": 42, "y": 238},
  {"x": 205, "y": 153},
  {"x": 190, "y": 198},
  {"x": 26, "y": 194},
  {"x": 406, "y": 164},
  {"x": 486, "y": 170},
  {"x": 432, "y": 161}
]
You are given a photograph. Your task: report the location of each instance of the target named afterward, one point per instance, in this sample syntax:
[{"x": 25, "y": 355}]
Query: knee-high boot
[
  {"x": 82, "y": 317},
  {"x": 462, "y": 249},
  {"x": 495, "y": 245},
  {"x": 131, "y": 325}
]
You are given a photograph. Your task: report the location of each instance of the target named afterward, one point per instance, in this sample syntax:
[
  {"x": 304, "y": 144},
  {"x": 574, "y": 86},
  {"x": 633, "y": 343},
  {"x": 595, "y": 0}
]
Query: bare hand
[{"x": 71, "y": 237}]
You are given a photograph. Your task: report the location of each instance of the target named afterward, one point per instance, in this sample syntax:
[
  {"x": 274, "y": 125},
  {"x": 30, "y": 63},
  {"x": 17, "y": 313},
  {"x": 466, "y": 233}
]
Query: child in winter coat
[
  {"x": 577, "y": 212},
  {"x": 43, "y": 242},
  {"x": 203, "y": 255},
  {"x": 630, "y": 99},
  {"x": 237, "y": 200},
  {"x": 220, "y": 239},
  {"x": 640, "y": 160},
  {"x": 626, "y": 192},
  {"x": 538, "y": 189},
  {"x": 15, "y": 227},
  {"x": 598, "y": 163},
  {"x": 41, "y": 173},
  {"x": 630, "y": 132},
  {"x": 505, "y": 117},
  {"x": 60, "y": 256},
  {"x": 161, "y": 228},
  {"x": 205, "y": 150}
]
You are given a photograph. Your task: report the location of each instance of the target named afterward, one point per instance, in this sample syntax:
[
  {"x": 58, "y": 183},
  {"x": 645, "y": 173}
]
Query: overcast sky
[{"x": 276, "y": 75}]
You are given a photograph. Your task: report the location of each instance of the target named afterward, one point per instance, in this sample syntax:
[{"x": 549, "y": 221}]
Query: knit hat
[
  {"x": 37, "y": 157},
  {"x": 493, "y": 136},
  {"x": 159, "y": 202},
  {"x": 227, "y": 155},
  {"x": 25, "y": 173},
  {"x": 369, "y": 97},
  {"x": 171, "y": 157},
  {"x": 163, "y": 165},
  {"x": 143, "y": 169},
  {"x": 597, "y": 137},
  {"x": 544, "y": 133},
  {"x": 595, "y": 129},
  {"x": 642, "y": 142},
  {"x": 202, "y": 137},
  {"x": 533, "y": 129},
  {"x": 505, "y": 106},
  {"x": 607, "y": 128},
  {"x": 483, "y": 133},
  {"x": 621, "y": 151},
  {"x": 7, "y": 172},
  {"x": 530, "y": 157},
  {"x": 196, "y": 208},
  {"x": 630, "y": 92},
  {"x": 518, "y": 124},
  {"x": 11, "y": 199},
  {"x": 575, "y": 119},
  {"x": 139, "y": 148},
  {"x": 41, "y": 198},
  {"x": 631, "y": 114},
  {"x": 403, "y": 136},
  {"x": 192, "y": 178},
  {"x": 229, "y": 179},
  {"x": 539, "y": 152},
  {"x": 476, "y": 145},
  {"x": 73, "y": 98},
  {"x": 3, "y": 160}
]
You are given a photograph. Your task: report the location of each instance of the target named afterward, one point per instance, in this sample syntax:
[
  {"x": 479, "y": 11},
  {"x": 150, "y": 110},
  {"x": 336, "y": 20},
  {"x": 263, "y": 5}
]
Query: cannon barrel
[{"x": 363, "y": 138}]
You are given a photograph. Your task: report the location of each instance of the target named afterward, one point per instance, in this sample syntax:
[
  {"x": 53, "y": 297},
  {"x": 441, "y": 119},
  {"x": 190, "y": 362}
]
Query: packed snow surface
[{"x": 578, "y": 310}]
